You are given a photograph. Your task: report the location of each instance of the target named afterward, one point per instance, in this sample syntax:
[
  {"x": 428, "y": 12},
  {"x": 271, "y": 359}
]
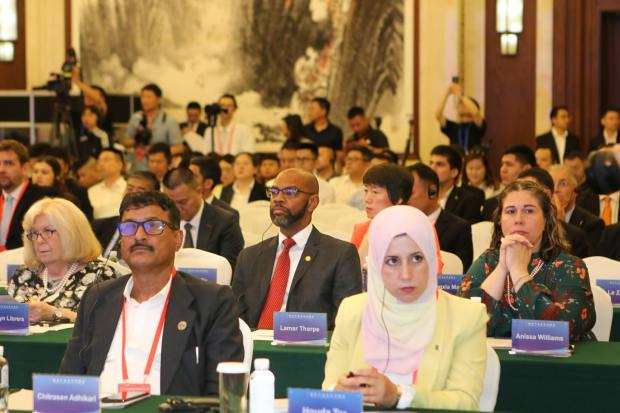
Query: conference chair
[
  {"x": 604, "y": 313},
  {"x": 9, "y": 260},
  {"x": 452, "y": 264},
  {"x": 254, "y": 218},
  {"x": 204, "y": 264},
  {"x": 248, "y": 344},
  {"x": 481, "y": 234},
  {"x": 490, "y": 387},
  {"x": 250, "y": 238},
  {"x": 602, "y": 268}
]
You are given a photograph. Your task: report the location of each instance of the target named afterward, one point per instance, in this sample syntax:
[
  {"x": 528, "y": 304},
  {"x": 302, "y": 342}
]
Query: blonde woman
[{"x": 60, "y": 260}]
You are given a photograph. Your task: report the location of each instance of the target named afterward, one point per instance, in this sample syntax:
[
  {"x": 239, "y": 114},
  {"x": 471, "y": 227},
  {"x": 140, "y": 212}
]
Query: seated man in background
[
  {"x": 363, "y": 133},
  {"x": 586, "y": 198},
  {"x": 326, "y": 163},
  {"x": 208, "y": 173},
  {"x": 87, "y": 173},
  {"x": 544, "y": 158},
  {"x": 193, "y": 124},
  {"x": 300, "y": 269},
  {"x": 609, "y": 245},
  {"x": 453, "y": 232},
  {"x": 307, "y": 156},
  {"x": 106, "y": 196},
  {"x": 159, "y": 159},
  {"x": 268, "y": 168},
  {"x": 349, "y": 188},
  {"x": 200, "y": 318}
]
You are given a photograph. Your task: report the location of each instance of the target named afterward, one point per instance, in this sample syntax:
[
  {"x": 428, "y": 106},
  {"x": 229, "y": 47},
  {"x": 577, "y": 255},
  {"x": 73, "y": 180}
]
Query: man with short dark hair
[
  {"x": 559, "y": 139},
  {"x": 363, "y": 133},
  {"x": 307, "y": 155},
  {"x": 87, "y": 172},
  {"x": 586, "y": 198},
  {"x": 187, "y": 324},
  {"x": 207, "y": 170},
  {"x": 159, "y": 159},
  {"x": 326, "y": 163},
  {"x": 610, "y": 122},
  {"x": 269, "y": 167},
  {"x": 349, "y": 188},
  {"x": 288, "y": 155},
  {"x": 106, "y": 196},
  {"x": 320, "y": 130},
  {"x": 193, "y": 123},
  {"x": 204, "y": 226},
  {"x": 544, "y": 157},
  {"x": 18, "y": 193},
  {"x": 300, "y": 269},
  {"x": 453, "y": 232}
]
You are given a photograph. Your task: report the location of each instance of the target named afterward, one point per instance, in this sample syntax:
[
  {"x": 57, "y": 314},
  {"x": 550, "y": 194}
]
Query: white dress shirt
[
  {"x": 6, "y": 221},
  {"x": 326, "y": 191},
  {"x": 240, "y": 199},
  {"x": 345, "y": 190},
  {"x": 434, "y": 215},
  {"x": 615, "y": 200},
  {"x": 568, "y": 214},
  {"x": 142, "y": 319},
  {"x": 107, "y": 200},
  {"x": 234, "y": 138},
  {"x": 560, "y": 143},
  {"x": 195, "y": 222},
  {"x": 301, "y": 238},
  {"x": 609, "y": 138},
  {"x": 442, "y": 201}
]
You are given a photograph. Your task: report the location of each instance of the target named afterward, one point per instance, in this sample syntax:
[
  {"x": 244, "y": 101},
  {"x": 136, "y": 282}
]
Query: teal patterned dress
[{"x": 559, "y": 291}]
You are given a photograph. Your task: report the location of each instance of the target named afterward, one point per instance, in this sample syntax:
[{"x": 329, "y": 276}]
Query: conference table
[{"x": 589, "y": 380}]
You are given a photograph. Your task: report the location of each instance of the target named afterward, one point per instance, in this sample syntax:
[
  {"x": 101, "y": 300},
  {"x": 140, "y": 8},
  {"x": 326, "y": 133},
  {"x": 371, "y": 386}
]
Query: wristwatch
[{"x": 405, "y": 393}]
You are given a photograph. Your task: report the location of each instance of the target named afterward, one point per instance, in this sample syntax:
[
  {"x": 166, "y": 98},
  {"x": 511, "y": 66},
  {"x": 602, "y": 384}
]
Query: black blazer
[
  {"x": 208, "y": 309},
  {"x": 219, "y": 232},
  {"x": 329, "y": 274},
  {"x": 489, "y": 206},
  {"x": 599, "y": 141},
  {"x": 546, "y": 141},
  {"x": 32, "y": 194},
  {"x": 465, "y": 203},
  {"x": 578, "y": 240},
  {"x": 202, "y": 127},
  {"x": 587, "y": 199},
  {"x": 609, "y": 245},
  {"x": 257, "y": 193},
  {"x": 221, "y": 204},
  {"x": 590, "y": 223},
  {"x": 454, "y": 234}
]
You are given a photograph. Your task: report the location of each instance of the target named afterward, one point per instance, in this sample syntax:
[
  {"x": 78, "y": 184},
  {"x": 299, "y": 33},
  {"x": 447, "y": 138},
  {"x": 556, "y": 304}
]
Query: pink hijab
[{"x": 410, "y": 325}]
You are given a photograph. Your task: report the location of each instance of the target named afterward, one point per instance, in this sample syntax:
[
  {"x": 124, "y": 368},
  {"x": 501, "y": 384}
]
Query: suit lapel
[
  {"x": 308, "y": 257},
  {"x": 264, "y": 268},
  {"x": 179, "y": 325},
  {"x": 205, "y": 228}
]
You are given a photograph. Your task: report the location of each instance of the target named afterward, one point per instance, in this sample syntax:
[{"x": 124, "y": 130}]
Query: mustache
[{"x": 141, "y": 245}]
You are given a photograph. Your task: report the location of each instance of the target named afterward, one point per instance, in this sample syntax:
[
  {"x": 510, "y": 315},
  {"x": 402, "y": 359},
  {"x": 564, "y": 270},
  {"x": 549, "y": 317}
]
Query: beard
[{"x": 289, "y": 218}]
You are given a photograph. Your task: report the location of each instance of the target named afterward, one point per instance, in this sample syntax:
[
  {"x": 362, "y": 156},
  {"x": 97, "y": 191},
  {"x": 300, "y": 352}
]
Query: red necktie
[{"x": 277, "y": 288}]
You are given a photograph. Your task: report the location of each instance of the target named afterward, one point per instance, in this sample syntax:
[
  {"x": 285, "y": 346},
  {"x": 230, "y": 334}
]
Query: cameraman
[
  {"x": 150, "y": 125},
  {"x": 96, "y": 96},
  {"x": 229, "y": 137}
]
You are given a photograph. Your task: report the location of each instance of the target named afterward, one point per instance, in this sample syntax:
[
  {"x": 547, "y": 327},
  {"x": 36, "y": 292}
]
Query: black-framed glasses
[
  {"x": 45, "y": 234},
  {"x": 289, "y": 191},
  {"x": 151, "y": 227}
]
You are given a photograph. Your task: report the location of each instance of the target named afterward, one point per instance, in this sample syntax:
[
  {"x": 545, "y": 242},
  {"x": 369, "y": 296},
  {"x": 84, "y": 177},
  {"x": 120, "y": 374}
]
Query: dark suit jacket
[
  {"x": 202, "y": 127},
  {"x": 489, "y": 206},
  {"x": 221, "y": 204},
  {"x": 609, "y": 245},
  {"x": 587, "y": 199},
  {"x": 465, "y": 203},
  {"x": 212, "y": 325},
  {"x": 219, "y": 232},
  {"x": 454, "y": 234},
  {"x": 590, "y": 223},
  {"x": 81, "y": 194},
  {"x": 599, "y": 141},
  {"x": 546, "y": 141},
  {"x": 104, "y": 229},
  {"x": 32, "y": 194},
  {"x": 257, "y": 194},
  {"x": 578, "y": 240},
  {"x": 319, "y": 284}
]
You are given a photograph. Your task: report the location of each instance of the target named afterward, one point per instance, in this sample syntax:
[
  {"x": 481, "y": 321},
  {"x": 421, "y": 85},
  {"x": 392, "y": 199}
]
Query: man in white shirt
[
  {"x": 349, "y": 188},
  {"x": 610, "y": 121},
  {"x": 190, "y": 325},
  {"x": 229, "y": 136},
  {"x": 106, "y": 196},
  {"x": 306, "y": 159},
  {"x": 559, "y": 139}
]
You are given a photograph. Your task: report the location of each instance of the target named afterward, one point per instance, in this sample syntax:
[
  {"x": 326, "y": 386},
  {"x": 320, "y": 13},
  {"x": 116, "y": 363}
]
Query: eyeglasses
[
  {"x": 151, "y": 227},
  {"x": 289, "y": 191},
  {"x": 45, "y": 234}
]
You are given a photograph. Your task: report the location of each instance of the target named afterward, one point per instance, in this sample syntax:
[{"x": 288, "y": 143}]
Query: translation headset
[{"x": 432, "y": 192}]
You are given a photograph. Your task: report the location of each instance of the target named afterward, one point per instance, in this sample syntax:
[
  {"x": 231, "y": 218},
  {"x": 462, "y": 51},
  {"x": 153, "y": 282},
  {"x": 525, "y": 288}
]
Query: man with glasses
[
  {"x": 349, "y": 188},
  {"x": 159, "y": 329},
  {"x": 306, "y": 158},
  {"x": 300, "y": 269}
]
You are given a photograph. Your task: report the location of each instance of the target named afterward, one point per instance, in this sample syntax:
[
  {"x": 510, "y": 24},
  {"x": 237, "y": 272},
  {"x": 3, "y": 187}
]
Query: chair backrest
[
  {"x": 490, "y": 388},
  {"x": 9, "y": 260},
  {"x": 602, "y": 268},
  {"x": 204, "y": 264},
  {"x": 250, "y": 238},
  {"x": 452, "y": 264},
  {"x": 254, "y": 218},
  {"x": 481, "y": 234},
  {"x": 248, "y": 344},
  {"x": 120, "y": 268},
  {"x": 337, "y": 217},
  {"x": 604, "y": 313}
]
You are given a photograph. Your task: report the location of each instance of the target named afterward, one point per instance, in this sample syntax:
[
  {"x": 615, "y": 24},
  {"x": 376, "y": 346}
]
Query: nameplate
[
  {"x": 10, "y": 269},
  {"x": 207, "y": 274},
  {"x": 13, "y": 318},
  {"x": 540, "y": 337},
  {"x": 300, "y": 328},
  {"x": 612, "y": 287},
  {"x": 318, "y": 401},
  {"x": 449, "y": 283},
  {"x": 64, "y": 394}
]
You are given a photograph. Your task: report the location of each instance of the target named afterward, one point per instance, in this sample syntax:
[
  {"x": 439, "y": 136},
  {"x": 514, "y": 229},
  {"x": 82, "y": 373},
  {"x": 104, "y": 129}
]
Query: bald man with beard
[{"x": 300, "y": 269}]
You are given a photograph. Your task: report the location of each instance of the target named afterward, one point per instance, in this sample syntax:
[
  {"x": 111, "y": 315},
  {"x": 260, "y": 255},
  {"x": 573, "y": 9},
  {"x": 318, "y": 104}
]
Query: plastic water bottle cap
[
  {"x": 261, "y": 364},
  {"x": 476, "y": 299},
  {"x": 2, "y": 351}
]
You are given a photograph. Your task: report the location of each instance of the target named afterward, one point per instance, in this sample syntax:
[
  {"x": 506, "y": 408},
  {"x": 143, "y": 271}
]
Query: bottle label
[{"x": 4, "y": 377}]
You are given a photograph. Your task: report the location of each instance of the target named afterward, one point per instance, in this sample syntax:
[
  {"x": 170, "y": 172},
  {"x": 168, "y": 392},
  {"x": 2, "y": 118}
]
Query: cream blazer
[{"x": 452, "y": 369}]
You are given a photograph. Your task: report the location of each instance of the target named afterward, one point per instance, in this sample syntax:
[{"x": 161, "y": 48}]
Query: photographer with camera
[
  {"x": 96, "y": 96},
  {"x": 229, "y": 137},
  {"x": 150, "y": 125}
]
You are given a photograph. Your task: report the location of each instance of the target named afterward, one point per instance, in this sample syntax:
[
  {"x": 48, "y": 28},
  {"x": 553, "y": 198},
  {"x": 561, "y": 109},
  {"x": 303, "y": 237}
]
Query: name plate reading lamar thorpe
[
  {"x": 65, "y": 394},
  {"x": 13, "y": 318},
  {"x": 318, "y": 401},
  {"x": 300, "y": 328},
  {"x": 540, "y": 337}
]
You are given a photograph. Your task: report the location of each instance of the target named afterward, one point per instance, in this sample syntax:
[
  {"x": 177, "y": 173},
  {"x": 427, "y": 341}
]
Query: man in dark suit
[
  {"x": 453, "y": 232},
  {"x": 446, "y": 162},
  {"x": 204, "y": 226},
  {"x": 300, "y": 269},
  {"x": 199, "y": 319},
  {"x": 609, "y": 245},
  {"x": 193, "y": 124},
  {"x": 209, "y": 174},
  {"x": 610, "y": 121},
  {"x": 559, "y": 139},
  {"x": 565, "y": 184},
  {"x": 18, "y": 193}
]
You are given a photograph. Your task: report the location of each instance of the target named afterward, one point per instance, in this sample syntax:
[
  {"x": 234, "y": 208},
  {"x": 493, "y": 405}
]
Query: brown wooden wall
[{"x": 13, "y": 74}]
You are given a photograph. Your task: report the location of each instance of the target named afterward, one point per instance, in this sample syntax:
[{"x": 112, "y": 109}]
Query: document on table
[
  {"x": 38, "y": 329},
  {"x": 501, "y": 343},
  {"x": 262, "y": 335},
  {"x": 21, "y": 400}
]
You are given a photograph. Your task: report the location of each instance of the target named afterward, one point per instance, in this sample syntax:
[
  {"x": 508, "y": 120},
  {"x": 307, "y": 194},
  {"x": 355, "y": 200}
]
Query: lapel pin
[
  {"x": 307, "y": 258},
  {"x": 182, "y": 325}
]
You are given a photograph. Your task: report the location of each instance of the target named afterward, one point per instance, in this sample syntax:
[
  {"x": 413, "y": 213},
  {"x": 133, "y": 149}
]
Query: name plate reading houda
[
  {"x": 65, "y": 394},
  {"x": 300, "y": 328},
  {"x": 540, "y": 337},
  {"x": 450, "y": 283},
  {"x": 613, "y": 289},
  {"x": 13, "y": 318},
  {"x": 207, "y": 274},
  {"x": 317, "y": 401}
]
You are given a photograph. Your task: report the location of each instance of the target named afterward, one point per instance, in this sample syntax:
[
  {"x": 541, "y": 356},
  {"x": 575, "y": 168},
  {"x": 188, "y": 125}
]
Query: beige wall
[{"x": 544, "y": 64}]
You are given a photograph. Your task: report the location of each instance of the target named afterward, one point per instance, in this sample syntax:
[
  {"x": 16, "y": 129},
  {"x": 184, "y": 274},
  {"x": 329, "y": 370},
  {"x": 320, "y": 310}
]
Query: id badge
[{"x": 134, "y": 388}]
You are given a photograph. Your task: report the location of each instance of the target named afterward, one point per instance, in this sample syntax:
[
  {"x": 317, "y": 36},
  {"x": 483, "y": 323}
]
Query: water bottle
[
  {"x": 4, "y": 382},
  {"x": 262, "y": 388}
]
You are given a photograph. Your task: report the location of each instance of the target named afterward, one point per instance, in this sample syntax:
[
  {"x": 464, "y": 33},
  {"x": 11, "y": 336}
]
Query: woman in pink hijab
[{"x": 405, "y": 343}]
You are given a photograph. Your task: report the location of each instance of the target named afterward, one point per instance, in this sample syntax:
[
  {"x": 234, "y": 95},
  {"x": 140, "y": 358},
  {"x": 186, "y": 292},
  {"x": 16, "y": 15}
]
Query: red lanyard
[
  {"x": 229, "y": 138},
  {"x": 160, "y": 326},
  {"x": 15, "y": 203}
]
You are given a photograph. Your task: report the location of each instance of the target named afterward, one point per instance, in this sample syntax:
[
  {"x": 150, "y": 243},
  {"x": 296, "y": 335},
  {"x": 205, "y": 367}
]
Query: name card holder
[
  {"x": 542, "y": 337},
  {"x": 612, "y": 287},
  {"x": 449, "y": 283},
  {"x": 207, "y": 274},
  {"x": 13, "y": 318},
  {"x": 318, "y": 401},
  {"x": 63, "y": 394},
  {"x": 300, "y": 328}
]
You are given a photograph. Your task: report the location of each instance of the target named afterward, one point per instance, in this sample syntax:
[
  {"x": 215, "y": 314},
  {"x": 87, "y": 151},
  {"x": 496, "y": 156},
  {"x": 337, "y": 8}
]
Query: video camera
[
  {"x": 61, "y": 82},
  {"x": 214, "y": 109}
]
